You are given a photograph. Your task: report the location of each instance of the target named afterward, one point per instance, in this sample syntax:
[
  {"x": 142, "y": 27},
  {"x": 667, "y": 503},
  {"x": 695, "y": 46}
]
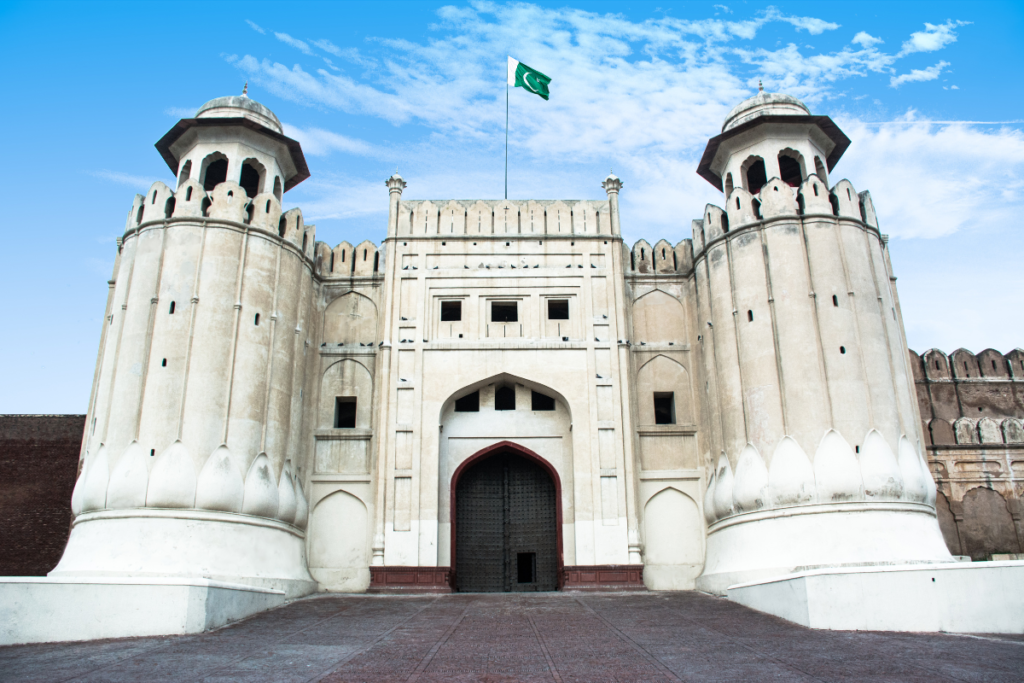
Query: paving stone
[{"x": 501, "y": 638}]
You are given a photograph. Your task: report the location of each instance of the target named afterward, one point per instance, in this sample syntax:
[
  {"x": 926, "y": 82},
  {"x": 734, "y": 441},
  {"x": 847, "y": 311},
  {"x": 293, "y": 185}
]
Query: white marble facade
[{"x": 222, "y": 441}]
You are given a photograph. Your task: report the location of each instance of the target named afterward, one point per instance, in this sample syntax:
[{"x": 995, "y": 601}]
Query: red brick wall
[{"x": 38, "y": 467}]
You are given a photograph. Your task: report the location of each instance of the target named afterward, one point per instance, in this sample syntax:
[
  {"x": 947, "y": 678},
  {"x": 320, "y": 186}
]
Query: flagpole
[{"x": 506, "y": 140}]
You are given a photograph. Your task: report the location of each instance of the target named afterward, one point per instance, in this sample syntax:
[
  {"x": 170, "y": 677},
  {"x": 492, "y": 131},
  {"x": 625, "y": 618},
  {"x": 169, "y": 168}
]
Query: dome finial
[
  {"x": 245, "y": 89},
  {"x": 760, "y": 88}
]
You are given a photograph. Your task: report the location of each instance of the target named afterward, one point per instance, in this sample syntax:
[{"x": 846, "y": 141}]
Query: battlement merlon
[{"x": 502, "y": 217}]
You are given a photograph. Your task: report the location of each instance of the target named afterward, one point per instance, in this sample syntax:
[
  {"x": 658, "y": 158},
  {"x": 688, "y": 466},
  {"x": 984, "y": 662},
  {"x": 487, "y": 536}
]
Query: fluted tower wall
[{"x": 807, "y": 369}]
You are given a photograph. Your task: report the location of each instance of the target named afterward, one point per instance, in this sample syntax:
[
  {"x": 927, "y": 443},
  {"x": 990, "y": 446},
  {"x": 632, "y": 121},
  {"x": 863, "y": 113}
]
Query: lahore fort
[{"x": 503, "y": 396}]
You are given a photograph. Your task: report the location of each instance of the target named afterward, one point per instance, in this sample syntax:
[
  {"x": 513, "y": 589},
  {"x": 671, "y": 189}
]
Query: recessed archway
[{"x": 506, "y": 521}]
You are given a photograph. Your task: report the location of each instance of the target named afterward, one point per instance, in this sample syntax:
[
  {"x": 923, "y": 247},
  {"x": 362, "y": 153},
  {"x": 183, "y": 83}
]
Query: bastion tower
[
  {"x": 812, "y": 435},
  {"x": 195, "y": 419}
]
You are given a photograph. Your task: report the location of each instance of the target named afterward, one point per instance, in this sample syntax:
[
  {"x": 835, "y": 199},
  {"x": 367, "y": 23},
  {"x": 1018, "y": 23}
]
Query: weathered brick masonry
[{"x": 38, "y": 467}]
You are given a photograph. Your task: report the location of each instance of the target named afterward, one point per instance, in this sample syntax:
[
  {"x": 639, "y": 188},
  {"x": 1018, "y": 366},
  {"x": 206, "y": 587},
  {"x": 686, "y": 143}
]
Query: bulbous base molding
[
  {"x": 765, "y": 543},
  {"x": 223, "y": 546}
]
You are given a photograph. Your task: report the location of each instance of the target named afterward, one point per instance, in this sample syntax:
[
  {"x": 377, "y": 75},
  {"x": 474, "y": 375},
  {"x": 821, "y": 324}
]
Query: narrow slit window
[
  {"x": 172, "y": 308},
  {"x": 344, "y": 412},
  {"x": 470, "y": 403},
  {"x": 504, "y": 312},
  {"x": 750, "y": 316},
  {"x": 505, "y": 398},
  {"x": 451, "y": 311},
  {"x": 664, "y": 408},
  {"x": 541, "y": 402},
  {"x": 558, "y": 309},
  {"x": 163, "y": 363},
  {"x": 257, "y": 320},
  {"x": 835, "y": 301}
]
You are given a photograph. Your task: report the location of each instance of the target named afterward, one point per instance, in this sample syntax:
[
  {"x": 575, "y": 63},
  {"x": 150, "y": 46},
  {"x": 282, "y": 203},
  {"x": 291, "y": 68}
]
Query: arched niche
[
  {"x": 657, "y": 318},
  {"x": 673, "y": 541},
  {"x": 464, "y": 434},
  {"x": 338, "y": 543},
  {"x": 987, "y": 527},
  {"x": 346, "y": 379},
  {"x": 350, "y": 319},
  {"x": 662, "y": 375}
]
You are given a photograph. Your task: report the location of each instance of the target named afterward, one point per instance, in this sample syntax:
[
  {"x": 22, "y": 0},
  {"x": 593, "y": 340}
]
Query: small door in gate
[{"x": 506, "y": 536}]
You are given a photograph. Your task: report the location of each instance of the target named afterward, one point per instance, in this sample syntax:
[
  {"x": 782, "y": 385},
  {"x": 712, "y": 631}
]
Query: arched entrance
[{"x": 506, "y": 522}]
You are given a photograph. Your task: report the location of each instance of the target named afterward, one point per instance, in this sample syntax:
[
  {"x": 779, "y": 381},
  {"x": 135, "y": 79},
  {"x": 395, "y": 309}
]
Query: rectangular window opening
[
  {"x": 470, "y": 403},
  {"x": 504, "y": 312},
  {"x": 541, "y": 402},
  {"x": 451, "y": 311},
  {"x": 526, "y": 565},
  {"x": 345, "y": 412},
  {"x": 558, "y": 309},
  {"x": 664, "y": 408}
]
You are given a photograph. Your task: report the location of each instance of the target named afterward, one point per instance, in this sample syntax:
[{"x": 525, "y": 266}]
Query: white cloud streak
[
  {"x": 915, "y": 75},
  {"x": 643, "y": 97},
  {"x": 255, "y": 27},
  {"x": 933, "y": 37},
  {"x": 299, "y": 45},
  {"x": 138, "y": 182}
]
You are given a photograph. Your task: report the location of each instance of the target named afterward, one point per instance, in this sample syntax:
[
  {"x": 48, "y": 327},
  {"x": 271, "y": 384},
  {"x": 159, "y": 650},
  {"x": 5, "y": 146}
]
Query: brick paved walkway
[{"x": 564, "y": 638}]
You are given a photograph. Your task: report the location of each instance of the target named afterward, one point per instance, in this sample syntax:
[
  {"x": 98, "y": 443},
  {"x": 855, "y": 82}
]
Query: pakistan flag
[{"x": 522, "y": 76}]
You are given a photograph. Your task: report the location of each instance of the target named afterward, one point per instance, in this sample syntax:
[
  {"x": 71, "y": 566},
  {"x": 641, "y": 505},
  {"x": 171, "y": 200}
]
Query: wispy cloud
[
  {"x": 643, "y": 97},
  {"x": 299, "y": 45},
  {"x": 928, "y": 74},
  {"x": 866, "y": 40},
  {"x": 327, "y": 46},
  {"x": 138, "y": 182},
  {"x": 181, "y": 112},
  {"x": 319, "y": 142},
  {"x": 933, "y": 37},
  {"x": 255, "y": 27}
]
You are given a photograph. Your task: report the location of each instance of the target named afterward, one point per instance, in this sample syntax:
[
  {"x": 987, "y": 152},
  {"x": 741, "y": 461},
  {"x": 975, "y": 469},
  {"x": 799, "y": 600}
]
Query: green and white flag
[{"x": 522, "y": 76}]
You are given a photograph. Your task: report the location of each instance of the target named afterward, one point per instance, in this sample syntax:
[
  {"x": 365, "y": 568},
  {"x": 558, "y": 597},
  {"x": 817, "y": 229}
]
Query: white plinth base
[
  {"x": 43, "y": 609},
  {"x": 960, "y": 597}
]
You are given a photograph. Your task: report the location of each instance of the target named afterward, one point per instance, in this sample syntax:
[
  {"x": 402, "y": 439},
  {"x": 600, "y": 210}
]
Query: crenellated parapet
[
  {"x": 967, "y": 399},
  {"x": 365, "y": 260},
  {"x": 778, "y": 200},
  {"x": 503, "y": 217},
  {"x": 661, "y": 259}
]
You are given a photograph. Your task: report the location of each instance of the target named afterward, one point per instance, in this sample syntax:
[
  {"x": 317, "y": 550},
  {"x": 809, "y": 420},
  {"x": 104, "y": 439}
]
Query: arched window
[
  {"x": 819, "y": 169},
  {"x": 186, "y": 172},
  {"x": 282, "y": 226},
  {"x": 376, "y": 261},
  {"x": 214, "y": 171},
  {"x": 305, "y": 236},
  {"x": 169, "y": 207},
  {"x": 188, "y": 195},
  {"x": 250, "y": 211},
  {"x": 791, "y": 167},
  {"x": 252, "y": 177},
  {"x": 725, "y": 222},
  {"x": 138, "y": 216},
  {"x": 505, "y": 398},
  {"x": 728, "y": 185},
  {"x": 754, "y": 175}
]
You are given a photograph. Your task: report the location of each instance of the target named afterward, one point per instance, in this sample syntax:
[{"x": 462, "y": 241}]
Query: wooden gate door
[{"x": 506, "y": 535}]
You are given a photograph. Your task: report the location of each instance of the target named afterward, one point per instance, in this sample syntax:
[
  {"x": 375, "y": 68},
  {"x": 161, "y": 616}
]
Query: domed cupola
[
  {"x": 771, "y": 135},
  {"x": 234, "y": 139},
  {"x": 764, "y": 104}
]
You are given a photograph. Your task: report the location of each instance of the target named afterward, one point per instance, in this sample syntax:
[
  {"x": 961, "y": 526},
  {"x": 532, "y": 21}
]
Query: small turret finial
[
  {"x": 245, "y": 89},
  {"x": 760, "y": 88}
]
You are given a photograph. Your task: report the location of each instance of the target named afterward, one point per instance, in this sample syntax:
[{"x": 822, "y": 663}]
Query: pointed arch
[{"x": 658, "y": 317}]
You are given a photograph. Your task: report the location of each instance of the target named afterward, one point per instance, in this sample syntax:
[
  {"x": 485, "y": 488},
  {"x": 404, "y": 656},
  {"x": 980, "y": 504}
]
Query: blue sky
[{"x": 928, "y": 92}]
